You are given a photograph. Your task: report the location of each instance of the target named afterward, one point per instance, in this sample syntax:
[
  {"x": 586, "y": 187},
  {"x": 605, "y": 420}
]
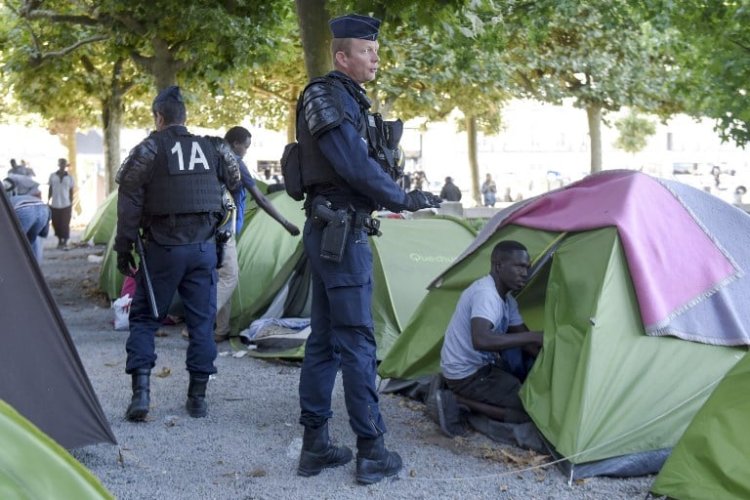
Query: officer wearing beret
[
  {"x": 170, "y": 195},
  {"x": 341, "y": 176}
]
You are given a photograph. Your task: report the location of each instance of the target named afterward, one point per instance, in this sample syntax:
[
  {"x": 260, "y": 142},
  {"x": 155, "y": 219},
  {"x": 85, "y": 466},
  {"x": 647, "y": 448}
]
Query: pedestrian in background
[
  {"x": 60, "y": 199},
  {"x": 33, "y": 215},
  {"x": 450, "y": 191},
  {"x": 489, "y": 191},
  {"x": 239, "y": 140}
]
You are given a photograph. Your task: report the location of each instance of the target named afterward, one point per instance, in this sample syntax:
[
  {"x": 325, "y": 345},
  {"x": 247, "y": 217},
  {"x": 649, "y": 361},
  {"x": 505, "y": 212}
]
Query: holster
[
  {"x": 336, "y": 225},
  {"x": 222, "y": 236}
]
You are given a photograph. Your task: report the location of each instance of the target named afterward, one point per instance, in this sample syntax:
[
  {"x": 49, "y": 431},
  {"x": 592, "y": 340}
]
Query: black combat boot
[
  {"x": 374, "y": 462},
  {"x": 319, "y": 453},
  {"x": 196, "y": 401},
  {"x": 138, "y": 408}
]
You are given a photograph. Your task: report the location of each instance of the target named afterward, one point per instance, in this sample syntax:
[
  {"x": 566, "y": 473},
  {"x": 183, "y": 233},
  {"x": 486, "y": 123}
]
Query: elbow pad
[
  {"x": 231, "y": 171},
  {"x": 322, "y": 108},
  {"x": 136, "y": 169}
]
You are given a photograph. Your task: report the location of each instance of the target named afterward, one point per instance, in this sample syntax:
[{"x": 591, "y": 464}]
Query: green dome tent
[
  {"x": 611, "y": 391},
  {"x": 110, "y": 279},
  {"x": 710, "y": 459},
  {"x": 267, "y": 254},
  {"x": 102, "y": 225},
  {"x": 32, "y": 465}
]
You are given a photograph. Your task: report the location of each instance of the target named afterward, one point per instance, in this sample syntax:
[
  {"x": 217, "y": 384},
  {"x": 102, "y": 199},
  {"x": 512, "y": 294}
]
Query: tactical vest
[
  {"x": 185, "y": 179},
  {"x": 382, "y": 137}
]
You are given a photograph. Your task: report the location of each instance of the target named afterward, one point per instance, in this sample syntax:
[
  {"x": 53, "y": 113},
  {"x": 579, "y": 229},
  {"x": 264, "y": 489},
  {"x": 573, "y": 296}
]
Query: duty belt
[
  {"x": 322, "y": 212},
  {"x": 362, "y": 220}
]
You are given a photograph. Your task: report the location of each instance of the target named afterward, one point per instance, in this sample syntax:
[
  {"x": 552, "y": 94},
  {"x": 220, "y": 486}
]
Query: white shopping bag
[{"x": 122, "y": 311}]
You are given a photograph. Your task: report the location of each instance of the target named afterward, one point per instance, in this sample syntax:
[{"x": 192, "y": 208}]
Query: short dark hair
[
  {"x": 237, "y": 134},
  {"x": 506, "y": 247},
  {"x": 340, "y": 45},
  {"x": 174, "y": 112}
]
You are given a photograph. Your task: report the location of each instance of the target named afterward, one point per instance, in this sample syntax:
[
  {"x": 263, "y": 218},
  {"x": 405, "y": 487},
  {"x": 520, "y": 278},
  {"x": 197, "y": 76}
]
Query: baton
[{"x": 147, "y": 277}]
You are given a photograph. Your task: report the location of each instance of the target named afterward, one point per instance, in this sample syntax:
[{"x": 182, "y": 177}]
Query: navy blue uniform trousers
[
  {"x": 341, "y": 337},
  {"x": 189, "y": 270}
]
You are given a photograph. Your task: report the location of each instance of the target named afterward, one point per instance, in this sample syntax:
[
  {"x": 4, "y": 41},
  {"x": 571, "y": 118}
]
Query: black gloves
[
  {"x": 416, "y": 200},
  {"x": 126, "y": 263}
]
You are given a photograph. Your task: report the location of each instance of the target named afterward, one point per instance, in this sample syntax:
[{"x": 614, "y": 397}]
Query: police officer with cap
[
  {"x": 343, "y": 176},
  {"x": 170, "y": 195}
]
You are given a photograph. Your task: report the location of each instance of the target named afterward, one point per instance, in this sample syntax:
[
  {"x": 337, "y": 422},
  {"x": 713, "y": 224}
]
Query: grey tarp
[{"x": 41, "y": 375}]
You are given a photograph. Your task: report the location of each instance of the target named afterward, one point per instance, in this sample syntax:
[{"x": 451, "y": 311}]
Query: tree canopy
[{"x": 714, "y": 63}]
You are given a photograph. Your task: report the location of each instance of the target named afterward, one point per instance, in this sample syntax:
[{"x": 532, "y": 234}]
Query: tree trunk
[
  {"x": 112, "y": 123},
  {"x": 471, "y": 137},
  {"x": 594, "y": 113},
  {"x": 161, "y": 65},
  {"x": 164, "y": 67},
  {"x": 65, "y": 129},
  {"x": 316, "y": 36},
  {"x": 291, "y": 117}
]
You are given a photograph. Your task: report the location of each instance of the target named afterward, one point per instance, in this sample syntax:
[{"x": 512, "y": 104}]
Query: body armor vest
[
  {"x": 185, "y": 179},
  {"x": 382, "y": 137}
]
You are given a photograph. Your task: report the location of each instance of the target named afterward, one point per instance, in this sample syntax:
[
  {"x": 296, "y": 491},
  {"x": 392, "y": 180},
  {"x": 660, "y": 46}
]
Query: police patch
[{"x": 187, "y": 157}]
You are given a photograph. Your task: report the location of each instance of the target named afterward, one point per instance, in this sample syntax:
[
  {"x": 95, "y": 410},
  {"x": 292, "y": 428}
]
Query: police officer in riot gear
[
  {"x": 170, "y": 195},
  {"x": 346, "y": 176}
]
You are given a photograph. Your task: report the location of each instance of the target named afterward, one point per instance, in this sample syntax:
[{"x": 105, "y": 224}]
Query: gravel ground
[{"x": 248, "y": 445}]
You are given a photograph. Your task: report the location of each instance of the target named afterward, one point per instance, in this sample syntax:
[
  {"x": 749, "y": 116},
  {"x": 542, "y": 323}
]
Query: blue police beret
[
  {"x": 355, "y": 26},
  {"x": 171, "y": 93}
]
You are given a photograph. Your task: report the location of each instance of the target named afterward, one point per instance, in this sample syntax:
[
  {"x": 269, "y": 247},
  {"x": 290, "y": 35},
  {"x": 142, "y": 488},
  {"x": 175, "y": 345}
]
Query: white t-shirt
[
  {"x": 61, "y": 190},
  {"x": 458, "y": 358}
]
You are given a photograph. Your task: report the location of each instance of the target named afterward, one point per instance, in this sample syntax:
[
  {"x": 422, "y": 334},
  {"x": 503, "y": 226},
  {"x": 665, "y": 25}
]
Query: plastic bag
[{"x": 122, "y": 312}]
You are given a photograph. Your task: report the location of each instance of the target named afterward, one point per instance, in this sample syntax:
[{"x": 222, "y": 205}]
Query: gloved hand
[
  {"x": 126, "y": 263},
  {"x": 291, "y": 228},
  {"x": 417, "y": 200}
]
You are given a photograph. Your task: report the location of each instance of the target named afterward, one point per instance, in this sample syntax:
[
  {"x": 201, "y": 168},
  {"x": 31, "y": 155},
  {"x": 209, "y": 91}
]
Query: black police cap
[{"x": 355, "y": 26}]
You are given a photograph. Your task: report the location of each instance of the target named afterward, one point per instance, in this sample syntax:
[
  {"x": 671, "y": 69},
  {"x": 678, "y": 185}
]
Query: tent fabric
[
  {"x": 102, "y": 225},
  {"x": 722, "y": 317},
  {"x": 57, "y": 398},
  {"x": 267, "y": 254},
  {"x": 601, "y": 388},
  {"x": 110, "y": 279},
  {"x": 665, "y": 232},
  {"x": 32, "y": 465},
  {"x": 710, "y": 459},
  {"x": 409, "y": 254}
]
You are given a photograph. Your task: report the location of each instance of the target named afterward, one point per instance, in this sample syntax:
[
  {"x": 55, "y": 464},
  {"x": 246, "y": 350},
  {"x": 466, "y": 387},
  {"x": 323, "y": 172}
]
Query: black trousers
[{"x": 61, "y": 221}]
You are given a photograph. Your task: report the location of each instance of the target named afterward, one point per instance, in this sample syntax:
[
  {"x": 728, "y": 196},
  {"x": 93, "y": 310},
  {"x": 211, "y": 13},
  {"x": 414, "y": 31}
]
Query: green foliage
[
  {"x": 607, "y": 53},
  {"x": 264, "y": 90},
  {"x": 194, "y": 43},
  {"x": 714, "y": 63},
  {"x": 634, "y": 132},
  {"x": 453, "y": 63}
]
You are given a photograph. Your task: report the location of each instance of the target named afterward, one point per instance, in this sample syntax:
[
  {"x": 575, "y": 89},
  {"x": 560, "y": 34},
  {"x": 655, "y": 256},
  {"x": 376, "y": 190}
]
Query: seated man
[{"x": 487, "y": 322}]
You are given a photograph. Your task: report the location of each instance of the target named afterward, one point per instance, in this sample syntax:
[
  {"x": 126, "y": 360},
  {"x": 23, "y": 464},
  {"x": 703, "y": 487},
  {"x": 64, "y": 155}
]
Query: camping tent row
[
  {"x": 274, "y": 280},
  {"x": 640, "y": 288}
]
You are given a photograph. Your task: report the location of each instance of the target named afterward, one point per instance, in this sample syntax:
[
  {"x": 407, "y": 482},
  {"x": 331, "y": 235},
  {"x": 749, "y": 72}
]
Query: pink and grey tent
[
  {"x": 42, "y": 376},
  {"x": 641, "y": 288}
]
